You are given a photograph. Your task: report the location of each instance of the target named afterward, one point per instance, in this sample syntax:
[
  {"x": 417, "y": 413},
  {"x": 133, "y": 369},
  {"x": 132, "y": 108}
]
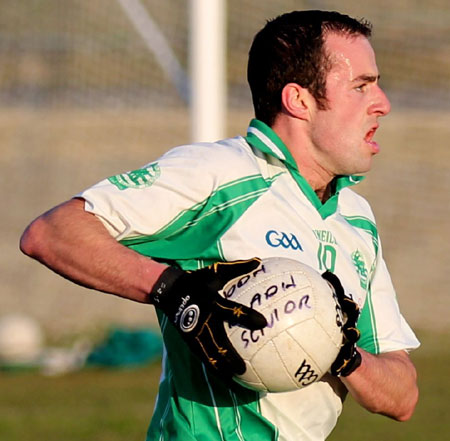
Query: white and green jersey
[{"x": 234, "y": 199}]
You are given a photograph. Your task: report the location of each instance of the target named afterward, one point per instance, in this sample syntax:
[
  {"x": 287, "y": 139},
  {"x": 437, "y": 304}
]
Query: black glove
[
  {"x": 192, "y": 302},
  {"x": 348, "y": 358}
]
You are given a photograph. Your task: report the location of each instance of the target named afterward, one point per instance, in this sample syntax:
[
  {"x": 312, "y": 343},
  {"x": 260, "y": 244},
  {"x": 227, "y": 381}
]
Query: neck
[
  {"x": 324, "y": 194},
  {"x": 320, "y": 179}
]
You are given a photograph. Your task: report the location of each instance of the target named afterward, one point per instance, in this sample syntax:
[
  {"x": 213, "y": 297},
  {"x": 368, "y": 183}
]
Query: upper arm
[{"x": 65, "y": 223}]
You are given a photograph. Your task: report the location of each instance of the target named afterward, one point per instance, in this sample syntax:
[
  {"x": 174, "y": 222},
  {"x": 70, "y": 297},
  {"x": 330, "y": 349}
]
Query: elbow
[
  {"x": 399, "y": 407},
  {"x": 400, "y": 411},
  {"x": 409, "y": 406},
  {"x": 404, "y": 416},
  {"x": 32, "y": 239},
  {"x": 411, "y": 399},
  {"x": 391, "y": 390},
  {"x": 26, "y": 244}
]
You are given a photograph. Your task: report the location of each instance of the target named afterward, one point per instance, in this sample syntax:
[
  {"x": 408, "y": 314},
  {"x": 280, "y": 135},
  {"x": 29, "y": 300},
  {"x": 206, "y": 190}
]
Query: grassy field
[
  {"x": 88, "y": 405},
  {"x": 117, "y": 404}
]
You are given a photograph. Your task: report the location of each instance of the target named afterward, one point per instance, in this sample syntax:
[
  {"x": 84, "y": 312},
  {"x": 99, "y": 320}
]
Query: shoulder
[
  {"x": 186, "y": 179},
  {"x": 198, "y": 170},
  {"x": 232, "y": 156}
]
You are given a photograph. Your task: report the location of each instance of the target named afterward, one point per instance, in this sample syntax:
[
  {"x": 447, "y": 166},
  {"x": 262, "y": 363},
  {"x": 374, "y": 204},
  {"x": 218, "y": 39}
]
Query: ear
[{"x": 296, "y": 101}]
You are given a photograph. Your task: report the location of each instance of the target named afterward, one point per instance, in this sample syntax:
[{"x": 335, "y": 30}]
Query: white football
[
  {"x": 303, "y": 335},
  {"x": 21, "y": 339}
]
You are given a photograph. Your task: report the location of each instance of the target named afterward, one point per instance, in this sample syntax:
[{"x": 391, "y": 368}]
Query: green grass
[
  {"x": 110, "y": 405},
  {"x": 101, "y": 405}
]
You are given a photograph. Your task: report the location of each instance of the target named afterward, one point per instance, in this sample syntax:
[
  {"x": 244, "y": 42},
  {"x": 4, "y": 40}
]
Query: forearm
[
  {"x": 76, "y": 245},
  {"x": 385, "y": 384}
]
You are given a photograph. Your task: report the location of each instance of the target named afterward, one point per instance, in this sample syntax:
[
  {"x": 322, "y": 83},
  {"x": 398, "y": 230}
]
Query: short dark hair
[{"x": 290, "y": 49}]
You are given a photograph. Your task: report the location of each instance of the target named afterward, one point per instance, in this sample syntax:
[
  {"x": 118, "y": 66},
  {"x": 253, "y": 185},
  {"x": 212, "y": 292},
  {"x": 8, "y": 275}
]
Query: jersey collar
[{"x": 262, "y": 137}]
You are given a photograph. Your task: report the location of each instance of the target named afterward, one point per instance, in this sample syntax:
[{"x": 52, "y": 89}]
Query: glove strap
[
  {"x": 158, "y": 294},
  {"x": 352, "y": 365}
]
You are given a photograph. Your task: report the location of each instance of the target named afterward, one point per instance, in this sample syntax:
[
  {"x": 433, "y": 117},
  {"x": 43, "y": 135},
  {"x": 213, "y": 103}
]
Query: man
[{"x": 280, "y": 191}]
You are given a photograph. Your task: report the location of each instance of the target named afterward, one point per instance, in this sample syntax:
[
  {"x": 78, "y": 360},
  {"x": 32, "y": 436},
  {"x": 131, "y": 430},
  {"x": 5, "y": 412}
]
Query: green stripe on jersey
[
  {"x": 367, "y": 323},
  {"x": 194, "y": 233},
  {"x": 367, "y": 225},
  {"x": 368, "y": 327}
]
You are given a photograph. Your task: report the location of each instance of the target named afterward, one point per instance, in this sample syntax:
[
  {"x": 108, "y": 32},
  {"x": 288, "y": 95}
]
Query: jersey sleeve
[
  {"x": 383, "y": 327},
  {"x": 142, "y": 202},
  {"x": 178, "y": 207},
  {"x": 146, "y": 201}
]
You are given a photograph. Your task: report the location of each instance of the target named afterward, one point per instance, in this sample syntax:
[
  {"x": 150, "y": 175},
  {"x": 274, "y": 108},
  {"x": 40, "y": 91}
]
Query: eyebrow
[{"x": 367, "y": 78}]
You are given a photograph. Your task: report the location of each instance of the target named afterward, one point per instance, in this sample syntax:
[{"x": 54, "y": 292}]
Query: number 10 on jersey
[{"x": 327, "y": 257}]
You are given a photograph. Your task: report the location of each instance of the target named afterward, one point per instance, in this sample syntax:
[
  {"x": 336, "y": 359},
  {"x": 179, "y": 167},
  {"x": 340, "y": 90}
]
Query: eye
[{"x": 361, "y": 87}]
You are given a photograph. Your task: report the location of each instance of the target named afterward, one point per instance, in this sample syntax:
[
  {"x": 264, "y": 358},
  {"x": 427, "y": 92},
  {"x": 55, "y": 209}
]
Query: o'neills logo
[
  {"x": 189, "y": 318},
  {"x": 184, "y": 301}
]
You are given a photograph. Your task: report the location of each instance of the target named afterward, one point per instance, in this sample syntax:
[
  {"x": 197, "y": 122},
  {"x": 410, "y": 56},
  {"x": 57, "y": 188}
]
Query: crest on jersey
[
  {"x": 141, "y": 178},
  {"x": 361, "y": 269}
]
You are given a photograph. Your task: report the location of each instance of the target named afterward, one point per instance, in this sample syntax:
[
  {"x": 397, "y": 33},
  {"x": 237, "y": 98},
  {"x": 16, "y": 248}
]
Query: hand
[
  {"x": 348, "y": 358},
  {"x": 192, "y": 302}
]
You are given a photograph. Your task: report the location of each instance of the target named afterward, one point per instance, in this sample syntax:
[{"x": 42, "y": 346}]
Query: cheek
[
  {"x": 348, "y": 127},
  {"x": 337, "y": 130},
  {"x": 327, "y": 125}
]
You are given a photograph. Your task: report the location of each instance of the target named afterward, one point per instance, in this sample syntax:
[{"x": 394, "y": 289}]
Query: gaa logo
[
  {"x": 189, "y": 318},
  {"x": 280, "y": 239}
]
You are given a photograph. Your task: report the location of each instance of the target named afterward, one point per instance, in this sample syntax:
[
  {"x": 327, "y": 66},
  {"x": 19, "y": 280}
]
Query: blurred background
[{"x": 83, "y": 96}]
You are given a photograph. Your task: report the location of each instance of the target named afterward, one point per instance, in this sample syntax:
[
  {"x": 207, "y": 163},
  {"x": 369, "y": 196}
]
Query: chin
[
  {"x": 364, "y": 166},
  {"x": 361, "y": 170}
]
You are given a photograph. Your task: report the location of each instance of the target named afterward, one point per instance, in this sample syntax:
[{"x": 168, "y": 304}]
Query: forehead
[{"x": 353, "y": 55}]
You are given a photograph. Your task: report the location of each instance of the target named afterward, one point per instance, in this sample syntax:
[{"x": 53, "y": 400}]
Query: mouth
[{"x": 369, "y": 139}]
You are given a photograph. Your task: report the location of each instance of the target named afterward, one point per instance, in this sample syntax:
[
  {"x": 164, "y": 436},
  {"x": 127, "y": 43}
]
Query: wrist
[
  {"x": 352, "y": 365},
  {"x": 165, "y": 282}
]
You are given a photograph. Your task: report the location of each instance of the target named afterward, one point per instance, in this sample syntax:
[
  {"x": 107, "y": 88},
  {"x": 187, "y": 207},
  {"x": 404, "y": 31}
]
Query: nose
[{"x": 380, "y": 104}]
